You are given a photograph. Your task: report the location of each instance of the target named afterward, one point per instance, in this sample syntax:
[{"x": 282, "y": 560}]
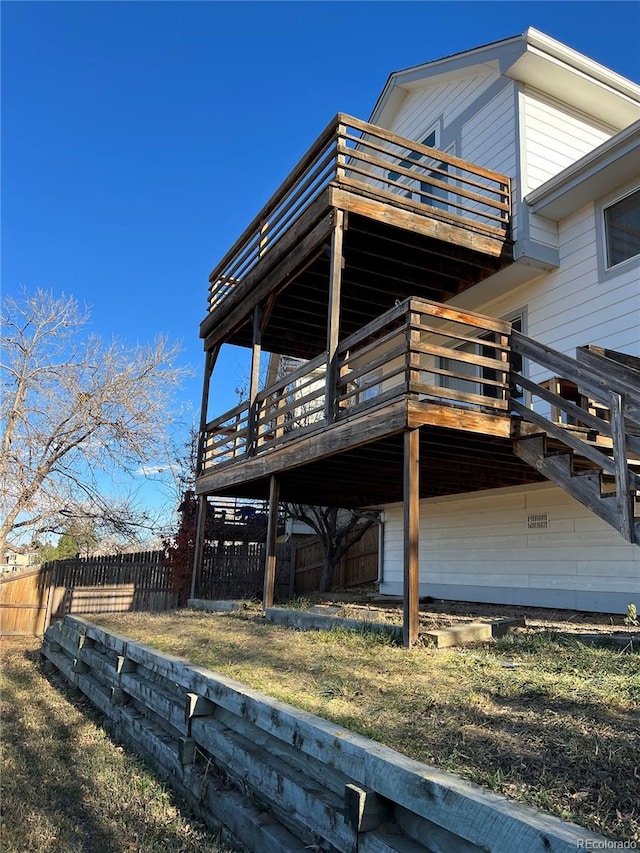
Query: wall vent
[{"x": 538, "y": 521}]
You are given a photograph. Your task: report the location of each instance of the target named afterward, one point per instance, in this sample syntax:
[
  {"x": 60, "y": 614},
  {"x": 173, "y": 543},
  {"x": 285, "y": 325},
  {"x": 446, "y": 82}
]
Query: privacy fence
[
  {"x": 141, "y": 581},
  {"x": 237, "y": 571},
  {"x": 358, "y": 566},
  {"x": 105, "y": 584}
]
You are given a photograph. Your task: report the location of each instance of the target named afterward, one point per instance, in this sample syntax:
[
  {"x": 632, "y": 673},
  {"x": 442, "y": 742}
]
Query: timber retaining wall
[{"x": 279, "y": 779}]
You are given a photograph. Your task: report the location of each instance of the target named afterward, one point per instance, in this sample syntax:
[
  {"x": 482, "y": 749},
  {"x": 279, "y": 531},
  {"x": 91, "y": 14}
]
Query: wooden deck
[
  {"x": 421, "y": 364},
  {"x": 417, "y": 221}
]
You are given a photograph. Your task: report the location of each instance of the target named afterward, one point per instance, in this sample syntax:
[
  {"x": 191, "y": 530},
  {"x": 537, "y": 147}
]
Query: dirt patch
[{"x": 439, "y": 613}]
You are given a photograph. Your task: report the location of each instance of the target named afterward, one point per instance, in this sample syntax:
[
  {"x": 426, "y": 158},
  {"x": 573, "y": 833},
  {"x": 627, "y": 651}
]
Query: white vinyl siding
[
  {"x": 570, "y": 306},
  {"x": 481, "y": 542},
  {"x": 425, "y": 105},
  {"x": 488, "y": 139},
  {"x": 555, "y": 137}
]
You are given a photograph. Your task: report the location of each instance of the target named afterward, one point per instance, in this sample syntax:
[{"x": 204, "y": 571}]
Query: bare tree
[
  {"x": 337, "y": 530},
  {"x": 77, "y": 413}
]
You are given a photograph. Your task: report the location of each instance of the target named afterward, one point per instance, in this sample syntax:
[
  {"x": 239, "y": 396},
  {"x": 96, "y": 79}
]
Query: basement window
[{"x": 622, "y": 229}]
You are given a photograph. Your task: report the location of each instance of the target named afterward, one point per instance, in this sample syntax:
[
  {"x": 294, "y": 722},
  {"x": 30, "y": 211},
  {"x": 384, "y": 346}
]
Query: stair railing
[{"x": 615, "y": 395}]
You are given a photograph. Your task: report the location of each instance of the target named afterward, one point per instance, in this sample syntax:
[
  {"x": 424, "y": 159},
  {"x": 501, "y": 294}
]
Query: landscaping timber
[{"x": 309, "y": 781}]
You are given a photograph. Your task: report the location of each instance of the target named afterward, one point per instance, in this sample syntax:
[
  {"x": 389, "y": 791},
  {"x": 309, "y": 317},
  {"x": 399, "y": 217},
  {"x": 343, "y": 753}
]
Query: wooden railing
[
  {"x": 588, "y": 408},
  {"x": 356, "y": 155},
  {"x": 418, "y": 350}
]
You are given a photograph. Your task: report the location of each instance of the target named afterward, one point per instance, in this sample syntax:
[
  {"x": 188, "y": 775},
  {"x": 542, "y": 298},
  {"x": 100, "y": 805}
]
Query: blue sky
[{"x": 139, "y": 139}]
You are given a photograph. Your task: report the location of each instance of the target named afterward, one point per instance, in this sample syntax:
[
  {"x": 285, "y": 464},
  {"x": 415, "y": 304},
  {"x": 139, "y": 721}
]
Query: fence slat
[{"x": 106, "y": 584}]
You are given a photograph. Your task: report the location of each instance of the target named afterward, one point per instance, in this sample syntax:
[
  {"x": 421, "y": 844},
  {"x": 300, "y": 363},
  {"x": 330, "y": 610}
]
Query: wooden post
[
  {"x": 411, "y": 584},
  {"x": 199, "y": 544},
  {"x": 255, "y": 379},
  {"x": 333, "y": 316},
  {"x": 209, "y": 362},
  {"x": 623, "y": 485},
  {"x": 50, "y": 596},
  {"x": 270, "y": 555}
]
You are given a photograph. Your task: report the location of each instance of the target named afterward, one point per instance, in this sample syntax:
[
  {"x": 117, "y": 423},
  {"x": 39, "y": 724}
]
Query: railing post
[
  {"x": 198, "y": 552},
  {"x": 333, "y": 316},
  {"x": 262, "y": 243},
  {"x": 413, "y": 357},
  {"x": 623, "y": 485},
  {"x": 341, "y": 159},
  {"x": 255, "y": 379},
  {"x": 505, "y": 345}
]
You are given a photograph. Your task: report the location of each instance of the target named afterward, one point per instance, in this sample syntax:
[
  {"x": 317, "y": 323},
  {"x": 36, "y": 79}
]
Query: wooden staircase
[{"x": 591, "y": 448}]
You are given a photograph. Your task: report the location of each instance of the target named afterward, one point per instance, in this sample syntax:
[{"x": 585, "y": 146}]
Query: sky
[{"x": 139, "y": 139}]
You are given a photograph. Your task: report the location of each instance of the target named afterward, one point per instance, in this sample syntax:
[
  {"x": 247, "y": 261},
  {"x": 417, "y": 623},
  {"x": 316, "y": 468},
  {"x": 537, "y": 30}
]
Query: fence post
[{"x": 50, "y": 597}]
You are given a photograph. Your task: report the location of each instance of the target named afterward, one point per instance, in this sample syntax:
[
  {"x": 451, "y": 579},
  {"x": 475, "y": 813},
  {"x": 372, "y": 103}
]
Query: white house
[
  {"x": 459, "y": 279},
  {"x": 567, "y": 132}
]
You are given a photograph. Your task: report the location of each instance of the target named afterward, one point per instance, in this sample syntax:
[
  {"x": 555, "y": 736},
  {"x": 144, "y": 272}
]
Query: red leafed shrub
[{"x": 180, "y": 548}]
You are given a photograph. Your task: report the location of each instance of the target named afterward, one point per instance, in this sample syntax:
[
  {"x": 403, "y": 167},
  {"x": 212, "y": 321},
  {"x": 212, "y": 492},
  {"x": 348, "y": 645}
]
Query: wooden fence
[
  {"x": 359, "y": 565},
  {"x": 23, "y": 601},
  {"x": 237, "y": 571},
  {"x": 107, "y": 584}
]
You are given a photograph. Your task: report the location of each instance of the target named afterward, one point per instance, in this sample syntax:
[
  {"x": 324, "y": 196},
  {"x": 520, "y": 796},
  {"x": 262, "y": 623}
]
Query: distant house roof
[{"x": 532, "y": 58}]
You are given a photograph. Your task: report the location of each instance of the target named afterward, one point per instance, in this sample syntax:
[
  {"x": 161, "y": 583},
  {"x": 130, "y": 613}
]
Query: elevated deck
[
  {"x": 339, "y": 433},
  {"x": 416, "y": 222}
]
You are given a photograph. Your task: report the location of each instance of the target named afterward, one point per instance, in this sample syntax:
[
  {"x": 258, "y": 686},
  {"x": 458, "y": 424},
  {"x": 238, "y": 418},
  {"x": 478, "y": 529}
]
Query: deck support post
[
  {"x": 198, "y": 551},
  {"x": 255, "y": 380},
  {"x": 270, "y": 555},
  {"x": 209, "y": 363},
  {"x": 333, "y": 316},
  {"x": 411, "y": 585}
]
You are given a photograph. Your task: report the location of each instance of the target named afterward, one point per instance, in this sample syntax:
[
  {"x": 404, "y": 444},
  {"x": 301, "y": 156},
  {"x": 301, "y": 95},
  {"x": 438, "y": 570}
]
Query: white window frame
[{"x": 605, "y": 269}]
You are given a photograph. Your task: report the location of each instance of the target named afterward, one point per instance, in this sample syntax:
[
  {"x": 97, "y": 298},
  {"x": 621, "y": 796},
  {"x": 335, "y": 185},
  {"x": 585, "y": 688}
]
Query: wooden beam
[
  {"x": 199, "y": 545},
  {"x": 270, "y": 554},
  {"x": 209, "y": 363},
  {"x": 411, "y": 537},
  {"x": 333, "y": 315},
  {"x": 623, "y": 484},
  {"x": 418, "y": 220},
  {"x": 254, "y": 381}
]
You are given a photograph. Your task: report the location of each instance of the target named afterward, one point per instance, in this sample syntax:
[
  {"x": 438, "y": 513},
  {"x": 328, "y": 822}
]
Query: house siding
[
  {"x": 445, "y": 102},
  {"x": 555, "y": 136},
  {"x": 477, "y": 547},
  {"x": 570, "y": 306}
]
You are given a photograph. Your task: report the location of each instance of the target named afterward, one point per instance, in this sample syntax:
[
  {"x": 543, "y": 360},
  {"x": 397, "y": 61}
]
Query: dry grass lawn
[
  {"x": 66, "y": 786},
  {"x": 541, "y": 718}
]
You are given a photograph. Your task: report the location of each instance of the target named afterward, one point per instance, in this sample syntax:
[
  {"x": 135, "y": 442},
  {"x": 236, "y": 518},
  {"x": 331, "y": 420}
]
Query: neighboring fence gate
[
  {"x": 110, "y": 584},
  {"x": 237, "y": 571}
]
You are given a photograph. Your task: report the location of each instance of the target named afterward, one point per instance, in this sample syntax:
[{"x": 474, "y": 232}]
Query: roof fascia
[
  {"x": 505, "y": 52},
  {"x": 514, "y": 56}
]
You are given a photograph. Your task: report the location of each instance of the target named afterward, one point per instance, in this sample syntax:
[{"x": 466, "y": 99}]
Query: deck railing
[
  {"x": 419, "y": 350},
  {"x": 356, "y": 155}
]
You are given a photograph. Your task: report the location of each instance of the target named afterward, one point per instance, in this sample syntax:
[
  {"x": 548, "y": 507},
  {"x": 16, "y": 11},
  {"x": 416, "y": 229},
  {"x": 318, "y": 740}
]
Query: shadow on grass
[
  {"x": 66, "y": 786},
  {"x": 547, "y": 732}
]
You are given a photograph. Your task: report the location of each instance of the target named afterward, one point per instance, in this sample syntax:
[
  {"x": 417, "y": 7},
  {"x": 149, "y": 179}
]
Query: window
[
  {"x": 475, "y": 384},
  {"x": 622, "y": 229}
]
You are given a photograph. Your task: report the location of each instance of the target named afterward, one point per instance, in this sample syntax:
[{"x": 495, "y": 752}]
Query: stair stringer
[{"x": 584, "y": 486}]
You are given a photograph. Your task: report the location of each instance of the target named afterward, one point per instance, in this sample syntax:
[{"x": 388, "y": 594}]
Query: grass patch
[
  {"x": 67, "y": 786},
  {"x": 549, "y": 722}
]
